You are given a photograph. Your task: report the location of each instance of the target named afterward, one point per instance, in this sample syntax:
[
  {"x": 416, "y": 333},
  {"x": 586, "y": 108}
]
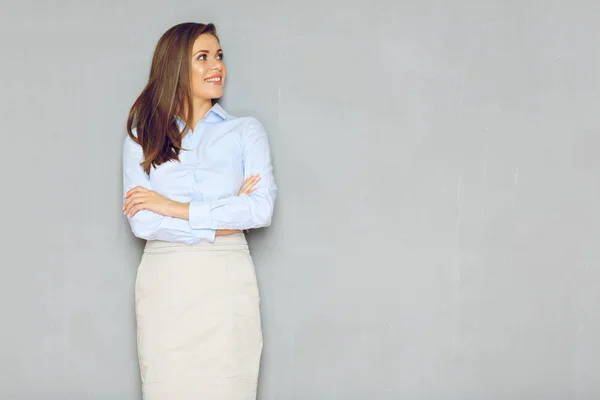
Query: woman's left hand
[{"x": 140, "y": 198}]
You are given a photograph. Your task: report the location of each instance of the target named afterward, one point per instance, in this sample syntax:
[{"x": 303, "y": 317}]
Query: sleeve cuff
[
  {"x": 210, "y": 236},
  {"x": 199, "y": 215}
]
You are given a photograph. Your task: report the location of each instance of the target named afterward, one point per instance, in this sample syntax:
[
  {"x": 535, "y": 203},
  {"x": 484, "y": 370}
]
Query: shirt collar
[
  {"x": 215, "y": 114},
  {"x": 218, "y": 110}
]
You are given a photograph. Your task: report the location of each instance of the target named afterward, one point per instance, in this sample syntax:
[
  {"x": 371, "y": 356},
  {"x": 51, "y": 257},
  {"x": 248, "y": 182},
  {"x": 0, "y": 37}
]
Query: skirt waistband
[{"x": 236, "y": 241}]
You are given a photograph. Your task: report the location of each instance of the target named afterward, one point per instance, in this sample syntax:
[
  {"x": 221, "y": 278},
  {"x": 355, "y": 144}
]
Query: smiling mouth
[{"x": 213, "y": 80}]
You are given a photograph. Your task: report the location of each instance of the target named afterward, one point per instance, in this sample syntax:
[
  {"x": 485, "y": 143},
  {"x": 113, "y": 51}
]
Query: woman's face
[{"x": 207, "y": 68}]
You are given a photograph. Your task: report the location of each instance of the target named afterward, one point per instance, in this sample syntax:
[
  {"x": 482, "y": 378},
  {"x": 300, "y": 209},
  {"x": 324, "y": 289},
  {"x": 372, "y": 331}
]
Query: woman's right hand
[{"x": 247, "y": 188}]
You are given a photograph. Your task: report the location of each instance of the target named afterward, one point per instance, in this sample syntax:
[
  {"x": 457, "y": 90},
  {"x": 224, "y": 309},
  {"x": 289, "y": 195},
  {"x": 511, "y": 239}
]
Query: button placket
[{"x": 198, "y": 133}]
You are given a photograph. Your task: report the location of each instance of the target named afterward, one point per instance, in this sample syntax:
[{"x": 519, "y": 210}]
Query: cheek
[{"x": 197, "y": 78}]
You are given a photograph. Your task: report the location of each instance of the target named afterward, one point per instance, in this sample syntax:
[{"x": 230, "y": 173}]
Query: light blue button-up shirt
[{"x": 217, "y": 157}]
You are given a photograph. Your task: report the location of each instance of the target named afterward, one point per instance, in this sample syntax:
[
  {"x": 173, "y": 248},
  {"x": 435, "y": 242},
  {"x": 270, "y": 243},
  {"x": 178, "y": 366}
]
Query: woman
[{"x": 194, "y": 178}]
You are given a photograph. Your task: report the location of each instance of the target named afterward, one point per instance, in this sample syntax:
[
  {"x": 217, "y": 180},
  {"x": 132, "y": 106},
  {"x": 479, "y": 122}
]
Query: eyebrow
[{"x": 207, "y": 51}]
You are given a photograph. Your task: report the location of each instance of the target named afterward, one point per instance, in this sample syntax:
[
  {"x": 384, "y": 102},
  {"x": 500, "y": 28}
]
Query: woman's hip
[{"x": 175, "y": 275}]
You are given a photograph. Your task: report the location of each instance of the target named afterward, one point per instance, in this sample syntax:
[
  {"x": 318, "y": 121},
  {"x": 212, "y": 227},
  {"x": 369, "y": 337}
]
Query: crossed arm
[
  {"x": 141, "y": 198},
  {"x": 154, "y": 217}
]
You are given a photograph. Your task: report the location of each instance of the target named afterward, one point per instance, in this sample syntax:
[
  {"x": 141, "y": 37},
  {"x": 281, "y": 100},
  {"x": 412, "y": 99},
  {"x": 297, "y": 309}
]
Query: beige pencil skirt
[{"x": 198, "y": 321}]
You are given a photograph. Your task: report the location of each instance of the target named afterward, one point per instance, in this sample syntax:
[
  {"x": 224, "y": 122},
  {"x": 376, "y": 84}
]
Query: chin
[
  {"x": 211, "y": 96},
  {"x": 215, "y": 94}
]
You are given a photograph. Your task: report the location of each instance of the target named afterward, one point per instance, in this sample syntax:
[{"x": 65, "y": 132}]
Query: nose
[{"x": 217, "y": 66}]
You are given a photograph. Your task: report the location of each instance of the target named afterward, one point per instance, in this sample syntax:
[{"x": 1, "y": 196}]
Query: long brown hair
[{"x": 166, "y": 95}]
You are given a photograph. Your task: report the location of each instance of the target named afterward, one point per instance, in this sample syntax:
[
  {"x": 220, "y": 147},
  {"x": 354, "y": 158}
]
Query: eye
[
  {"x": 220, "y": 56},
  {"x": 202, "y": 57}
]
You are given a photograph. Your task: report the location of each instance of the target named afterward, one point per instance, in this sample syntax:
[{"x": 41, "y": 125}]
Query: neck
[{"x": 201, "y": 108}]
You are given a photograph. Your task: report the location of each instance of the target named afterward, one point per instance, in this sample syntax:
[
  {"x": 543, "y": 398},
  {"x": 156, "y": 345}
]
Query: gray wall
[{"x": 437, "y": 226}]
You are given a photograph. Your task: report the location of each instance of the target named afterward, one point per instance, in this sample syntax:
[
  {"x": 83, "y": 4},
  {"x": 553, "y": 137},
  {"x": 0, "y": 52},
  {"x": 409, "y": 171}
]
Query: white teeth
[{"x": 213, "y": 80}]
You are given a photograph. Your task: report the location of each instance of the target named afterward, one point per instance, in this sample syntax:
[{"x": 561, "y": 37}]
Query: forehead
[{"x": 206, "y": 41}]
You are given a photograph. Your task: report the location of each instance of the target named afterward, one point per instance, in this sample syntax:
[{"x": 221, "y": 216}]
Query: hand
[
  {"x": 248, "y": 186},
  {"x": 140, "y": 198}
]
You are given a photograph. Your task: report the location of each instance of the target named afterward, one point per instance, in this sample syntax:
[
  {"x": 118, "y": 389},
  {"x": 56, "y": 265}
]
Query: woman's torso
[{"x": 210, "y": 165}]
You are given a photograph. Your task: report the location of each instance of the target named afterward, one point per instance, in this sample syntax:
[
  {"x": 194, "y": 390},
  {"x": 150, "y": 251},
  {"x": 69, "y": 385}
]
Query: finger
[
  {"x": 129, "y": 202},
  {"x": 246, "y": 186},
  {"x": 247, "y": 181},
  {"x": 250, "y": 182},
  {"x": 133, "y": 201},
  {"x": 137, "y": 189},
  {"x": 131, "y": 191},
  {"x": 253, "y": 188},
  {"x": 127, "y": 209},
  {"x": 126, "y": 206},
  {"x": 247, "y": 190},
  {"x": 138, "y": 207},
  {"x": 135, "y": 209},
  {"x": 250, "y": 191},
  {"x": 254, "y": 182}
]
